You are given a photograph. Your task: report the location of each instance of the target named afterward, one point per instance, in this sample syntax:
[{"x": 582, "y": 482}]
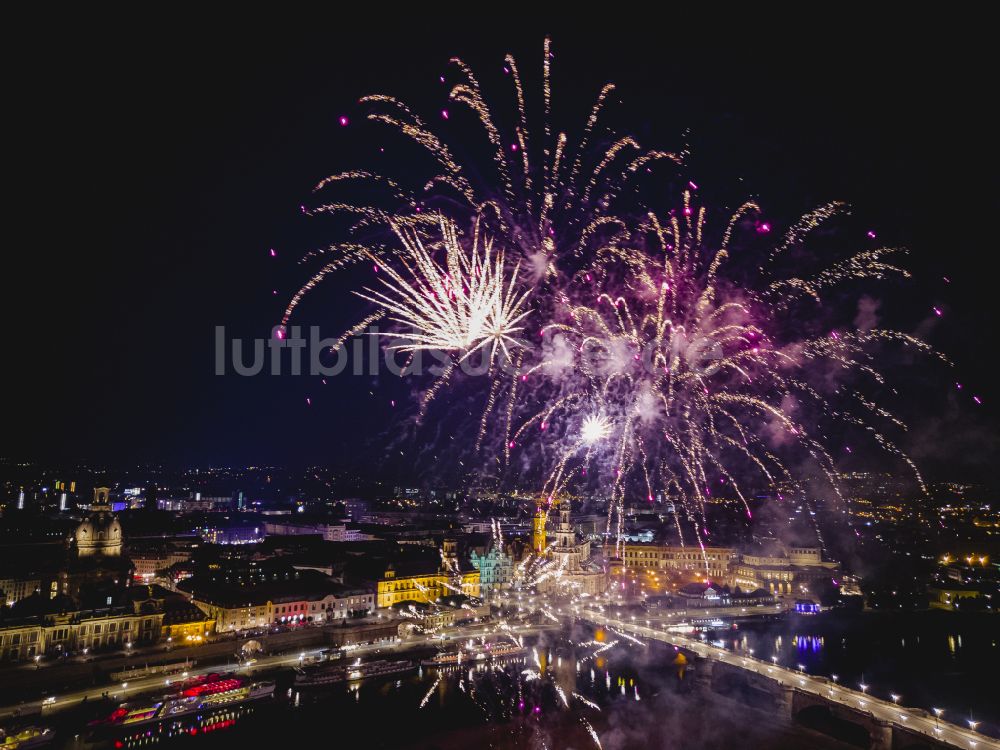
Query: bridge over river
[{"x": 811, "y": 700}]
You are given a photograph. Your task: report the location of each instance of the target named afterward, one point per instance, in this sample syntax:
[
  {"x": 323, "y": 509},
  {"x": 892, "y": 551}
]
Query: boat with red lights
[{"x": 197, "y": 704}]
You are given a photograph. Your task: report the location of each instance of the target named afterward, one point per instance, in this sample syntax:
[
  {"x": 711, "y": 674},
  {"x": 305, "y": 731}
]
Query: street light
[
  {"x": 895, "y": 698},
  {"x": 864, "y": 688}
]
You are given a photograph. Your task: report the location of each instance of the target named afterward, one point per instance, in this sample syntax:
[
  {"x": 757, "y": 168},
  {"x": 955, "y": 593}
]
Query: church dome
[{"x": 101, "y": 533}]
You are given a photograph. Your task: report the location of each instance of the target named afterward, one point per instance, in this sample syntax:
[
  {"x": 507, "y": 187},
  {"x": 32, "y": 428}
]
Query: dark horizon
[{"x": 157, "y": 177}]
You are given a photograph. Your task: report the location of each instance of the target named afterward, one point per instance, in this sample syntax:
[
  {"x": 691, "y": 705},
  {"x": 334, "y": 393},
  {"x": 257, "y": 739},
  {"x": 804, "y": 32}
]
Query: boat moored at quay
[
  {"x": 333, "y": 673},
  {"x": 201, "y": 705}
]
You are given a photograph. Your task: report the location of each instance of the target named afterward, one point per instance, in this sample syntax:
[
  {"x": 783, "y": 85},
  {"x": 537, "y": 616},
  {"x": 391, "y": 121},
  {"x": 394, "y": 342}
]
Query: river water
[
  {"x": 631, "y": 696},
  {"x": 929, "y": 659}
]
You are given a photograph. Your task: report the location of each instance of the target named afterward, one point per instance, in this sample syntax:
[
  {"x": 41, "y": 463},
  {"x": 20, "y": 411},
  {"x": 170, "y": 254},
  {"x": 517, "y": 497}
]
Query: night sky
[{"x": 153, "y": 172}]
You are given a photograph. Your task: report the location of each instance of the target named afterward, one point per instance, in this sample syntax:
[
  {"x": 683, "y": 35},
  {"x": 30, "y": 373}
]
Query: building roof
[
  {"x": 182, "y": 612},
  {"x": 696, "y": 589},
  {"x": 307, "y": 586}
]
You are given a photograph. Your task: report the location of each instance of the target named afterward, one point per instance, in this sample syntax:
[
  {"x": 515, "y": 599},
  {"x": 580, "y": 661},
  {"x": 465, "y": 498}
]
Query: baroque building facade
[
  {"x": 420, "y": 584},
  {"x": 570, "y": 566}
]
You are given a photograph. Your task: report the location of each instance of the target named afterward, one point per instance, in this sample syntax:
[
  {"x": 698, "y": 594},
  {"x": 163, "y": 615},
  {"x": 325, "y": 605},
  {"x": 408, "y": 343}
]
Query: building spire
[
  {"x": 538, "y": 536},
  {"x": 102, "y": 500}
]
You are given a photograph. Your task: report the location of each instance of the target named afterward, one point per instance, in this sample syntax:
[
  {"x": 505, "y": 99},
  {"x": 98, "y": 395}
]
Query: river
[{"x": 631, "y": 696}]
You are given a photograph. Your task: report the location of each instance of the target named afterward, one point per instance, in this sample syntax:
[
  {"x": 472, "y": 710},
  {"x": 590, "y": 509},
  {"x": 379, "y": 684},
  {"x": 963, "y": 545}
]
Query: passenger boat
[
  {"x": 504, "y": 650},
  {"x": 473, "y": 654},
  {"x": 331, "y": 674},
  {"x": 452, "y": 658},
  {"x": 25, "y": 738},
  {"x": 195, "y": 706}
]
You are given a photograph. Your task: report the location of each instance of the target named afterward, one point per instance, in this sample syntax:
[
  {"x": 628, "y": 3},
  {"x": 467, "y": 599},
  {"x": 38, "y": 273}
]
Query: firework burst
[
  {"x": 468, "y": 303},
  {"x": 646, "y": 352}
]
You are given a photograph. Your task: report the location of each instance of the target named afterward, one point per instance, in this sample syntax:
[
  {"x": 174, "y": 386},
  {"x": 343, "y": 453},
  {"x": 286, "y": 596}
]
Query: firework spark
[
  {"x": 645, "y": 351},
  {"x": 469, "y": 302},
  {"x": 594, "y": 430}
]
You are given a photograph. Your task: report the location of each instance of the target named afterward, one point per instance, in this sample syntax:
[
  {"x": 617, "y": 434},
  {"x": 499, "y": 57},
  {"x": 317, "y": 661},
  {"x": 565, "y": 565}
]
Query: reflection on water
[
  {"x": 557, "y": 686},
  {"x": 524, "y": 692},
  {"x": 206, "y": 723},
  {"x": 929, "y": 658}
]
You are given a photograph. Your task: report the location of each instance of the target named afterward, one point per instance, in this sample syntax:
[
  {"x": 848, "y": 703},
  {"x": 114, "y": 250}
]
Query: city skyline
[{"x": 451, "y": 384}]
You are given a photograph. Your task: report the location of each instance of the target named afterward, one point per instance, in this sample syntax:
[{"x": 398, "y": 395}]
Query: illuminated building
[
  {"x": 195, "y": 503},
  {"x": 331, "y": 532},
  {"x": 949, "y": 596},
  {"x": 539, "y": 539},
  {"x": 566, "y": 551},
  {"x": 101, "y": 534},
  {"x": 233, "y": 533},
  {"x": 59, "y": 628},
  {"x": 496, "y": 570},
  {"x": 782, "y": 570},
  {"x": 186, "y": 627},
  {"x": 141, "y": 615},
  {"x": 95, "y": 565},
  {"x": 15, "y": 588},
  {"x": 571, "y": 558},
  {"x": 713, "y": 562},
  {"x": 715, "y": 595},
  {"x": 422, "y": 585},
  {"x": 307, "y": 598},
  {"x": 151, "y": 561}
]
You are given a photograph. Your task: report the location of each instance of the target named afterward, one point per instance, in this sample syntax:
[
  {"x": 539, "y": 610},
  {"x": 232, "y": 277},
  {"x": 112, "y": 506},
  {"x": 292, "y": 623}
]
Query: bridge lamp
[
  {"x": 774, "y": 659},
  {"x": 895, "y": 698},
  {"x": 864, "y": 688},
  {"x": 973, "y": 725},
  {"x": 833, "y": 677},
  {"x": 802, "y": 667}
]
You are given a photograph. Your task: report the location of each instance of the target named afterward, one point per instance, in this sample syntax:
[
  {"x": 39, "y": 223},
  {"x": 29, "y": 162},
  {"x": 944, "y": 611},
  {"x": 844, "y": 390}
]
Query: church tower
[
  {"x": 565, "y": 536},
  {"x": 538, "y": 537}
]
